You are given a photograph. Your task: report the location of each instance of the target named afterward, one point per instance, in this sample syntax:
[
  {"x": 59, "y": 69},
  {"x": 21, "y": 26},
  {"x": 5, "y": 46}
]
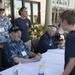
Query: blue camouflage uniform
[
  {"x": 6, "y": 24},
  {"x": 13, "y": 49}
]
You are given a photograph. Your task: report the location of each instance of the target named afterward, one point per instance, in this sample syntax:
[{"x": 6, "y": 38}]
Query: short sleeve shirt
[
  {"x": 16, "y": 49},
  {"x": 70, "y": 49},
  {"x": 6, "y": 24},
  {"x": 24, "y": 24}
]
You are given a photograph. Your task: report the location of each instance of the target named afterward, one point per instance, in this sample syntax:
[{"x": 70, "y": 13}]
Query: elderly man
[
  {"x": 15, "y": 50},
  {"x": 47, "y": 40}
]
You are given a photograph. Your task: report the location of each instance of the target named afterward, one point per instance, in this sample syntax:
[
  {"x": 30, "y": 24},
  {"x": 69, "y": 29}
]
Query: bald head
[{"x": 1, "y": 6}]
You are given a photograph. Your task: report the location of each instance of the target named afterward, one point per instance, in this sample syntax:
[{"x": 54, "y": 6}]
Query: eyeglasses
[{"x": 2, "y": 9}]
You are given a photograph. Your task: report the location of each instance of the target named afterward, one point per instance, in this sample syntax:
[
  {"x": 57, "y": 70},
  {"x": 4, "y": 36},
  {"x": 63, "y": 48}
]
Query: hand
[
  {"x": 37, "y": 58},
  {"x": 60, "y": 45},
  {"x": 39, "y": 55}
]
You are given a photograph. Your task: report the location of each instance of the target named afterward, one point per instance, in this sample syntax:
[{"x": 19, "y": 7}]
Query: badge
[
  {"x": 2, "y": 29},
  {"x": 24, "y": 53},
  {"x": 27, "y": 23},
  {"x": 50, "y": 44}
]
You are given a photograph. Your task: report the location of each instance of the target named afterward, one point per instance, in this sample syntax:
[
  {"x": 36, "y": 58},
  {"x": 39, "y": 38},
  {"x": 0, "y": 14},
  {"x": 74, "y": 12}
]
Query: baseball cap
[{"x": 14, "y": 29}]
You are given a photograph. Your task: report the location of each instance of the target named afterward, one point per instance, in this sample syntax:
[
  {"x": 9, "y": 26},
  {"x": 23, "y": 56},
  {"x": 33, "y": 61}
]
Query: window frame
[{"x": 31, "y": 8}]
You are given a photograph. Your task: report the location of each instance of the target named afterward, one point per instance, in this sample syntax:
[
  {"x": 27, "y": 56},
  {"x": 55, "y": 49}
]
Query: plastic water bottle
[{"x": 41, "y": 70}]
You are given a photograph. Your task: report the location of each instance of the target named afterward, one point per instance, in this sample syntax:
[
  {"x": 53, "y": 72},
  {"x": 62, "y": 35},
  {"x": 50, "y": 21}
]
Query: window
[
  {"x": 62, "y": 2},
  {"x": 56, "y": 1},
  {"x": 7, "y": 6},
  {"x": 56, "y": 18},
  {"x": 52, "y": 1},
  {"x": 33, "y": 11},
  {"x": 17, "y": 6},
  {"x": 66, "y": 2},
  {"x": 12, "y": 7},
  {"x": 52, "y": 18},
  {"x": 27, "y": 4}
]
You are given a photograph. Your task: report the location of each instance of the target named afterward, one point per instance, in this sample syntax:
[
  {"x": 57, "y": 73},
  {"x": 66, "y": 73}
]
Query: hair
[
  {"x": 69, "y": 16},
  {"x": 19, "y": 12}
]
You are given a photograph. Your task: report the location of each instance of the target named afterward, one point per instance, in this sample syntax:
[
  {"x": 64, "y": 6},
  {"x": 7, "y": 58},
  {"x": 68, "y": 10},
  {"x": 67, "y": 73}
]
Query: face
[
  {"x": 16, "y": 35},
  {"x": 1, "y": 9},
  {"x": 24, "y": 12},
  {"x": 51, "y": 32},
  {"x": 63, "y": 24}
]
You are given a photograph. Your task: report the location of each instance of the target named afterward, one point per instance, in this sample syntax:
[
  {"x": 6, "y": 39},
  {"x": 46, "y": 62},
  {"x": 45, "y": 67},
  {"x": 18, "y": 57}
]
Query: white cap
[{"x": 52, "y": 28}]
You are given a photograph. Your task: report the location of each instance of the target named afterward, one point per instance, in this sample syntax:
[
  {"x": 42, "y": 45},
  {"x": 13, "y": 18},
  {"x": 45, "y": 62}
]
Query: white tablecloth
[{"x": 53, "y": 61}]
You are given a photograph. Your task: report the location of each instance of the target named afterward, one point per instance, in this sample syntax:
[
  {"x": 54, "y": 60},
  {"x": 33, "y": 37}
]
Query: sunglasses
[{"x": 2, "y": 9}]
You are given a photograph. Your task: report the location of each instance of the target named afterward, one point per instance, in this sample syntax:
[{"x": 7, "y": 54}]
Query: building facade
[{"x": 37, "y": 9}]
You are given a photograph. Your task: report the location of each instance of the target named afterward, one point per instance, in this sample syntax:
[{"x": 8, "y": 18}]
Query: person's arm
[
  {"x": 22, "y": 60},
  {"x": 31, "y": 54},
  {"x": 29, "y": 25},
  {"x": 29, "y": 29},
  {"x": 60, "y": 45},
  {"x": 69, "y": 66}
]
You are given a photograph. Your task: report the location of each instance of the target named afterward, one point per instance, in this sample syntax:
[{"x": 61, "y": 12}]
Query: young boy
[{"x": 67, "y": 21}]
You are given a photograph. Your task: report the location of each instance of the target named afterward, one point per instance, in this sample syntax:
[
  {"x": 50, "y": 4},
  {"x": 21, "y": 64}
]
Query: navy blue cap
[{"x": 14, "y": 29}]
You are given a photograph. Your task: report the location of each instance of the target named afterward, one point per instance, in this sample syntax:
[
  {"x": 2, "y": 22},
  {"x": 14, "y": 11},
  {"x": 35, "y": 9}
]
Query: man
[
  {"x": 5, "y": 24},
  {"x": 67, "y": 21},
  {"x": 47, "y": 40},
  {"x": 15, "y": 50}
]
